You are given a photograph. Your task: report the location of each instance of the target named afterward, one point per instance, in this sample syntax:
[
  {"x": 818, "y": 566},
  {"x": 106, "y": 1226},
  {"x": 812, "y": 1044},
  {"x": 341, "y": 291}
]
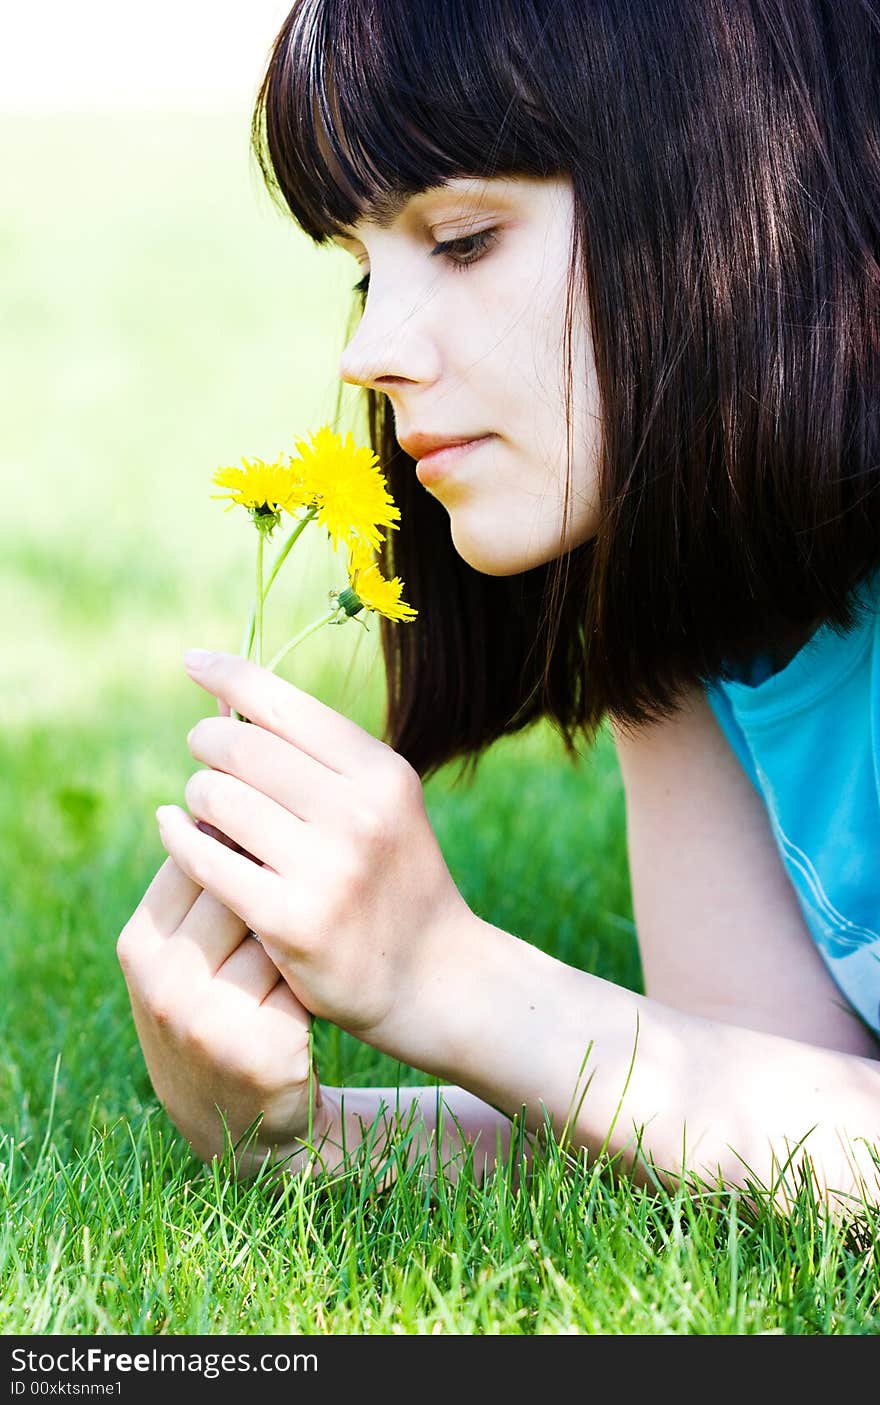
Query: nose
[{"x": 394, "y": 345}]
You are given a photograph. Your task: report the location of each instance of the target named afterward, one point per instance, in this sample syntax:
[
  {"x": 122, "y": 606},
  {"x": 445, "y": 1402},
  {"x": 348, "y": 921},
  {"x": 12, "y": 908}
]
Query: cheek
[
  {"x": 511, "y": 330},
  {"x": 566, "y": 400},
  {"x": 516, "y": 364},
  {"x": 532, "y": 361}
]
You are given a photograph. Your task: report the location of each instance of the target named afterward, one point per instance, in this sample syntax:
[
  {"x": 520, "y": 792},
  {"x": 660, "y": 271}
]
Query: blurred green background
[{"x": 160, "y": 317}]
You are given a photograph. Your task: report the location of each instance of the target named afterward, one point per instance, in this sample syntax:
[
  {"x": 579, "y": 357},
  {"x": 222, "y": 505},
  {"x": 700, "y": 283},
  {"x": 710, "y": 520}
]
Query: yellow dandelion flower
[
  {"x": 371, "y": 591},
  {"x": 265, "y": 489},
  {"x": 344, "y": 482}
]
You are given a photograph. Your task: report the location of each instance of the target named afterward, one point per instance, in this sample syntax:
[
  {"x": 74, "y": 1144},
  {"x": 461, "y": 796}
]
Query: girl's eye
[
  {"x": 460, "y": 252},
  {"x": 466, "y": 249}
]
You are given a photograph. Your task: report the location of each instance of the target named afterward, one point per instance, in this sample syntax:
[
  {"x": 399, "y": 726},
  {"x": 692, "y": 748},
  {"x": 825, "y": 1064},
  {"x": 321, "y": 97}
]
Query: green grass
[{"x": 159, "y": 319}]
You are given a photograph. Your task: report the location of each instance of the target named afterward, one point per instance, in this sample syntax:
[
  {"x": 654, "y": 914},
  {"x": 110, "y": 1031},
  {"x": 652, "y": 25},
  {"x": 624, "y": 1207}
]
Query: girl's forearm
[
  {"x": 443, "y": 1128},
  {"x": 657, "y": 1088}
]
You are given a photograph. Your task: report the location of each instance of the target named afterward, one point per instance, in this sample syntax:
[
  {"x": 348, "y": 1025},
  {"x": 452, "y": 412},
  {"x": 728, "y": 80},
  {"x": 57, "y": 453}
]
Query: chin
[{"x": 497, "y": 558}]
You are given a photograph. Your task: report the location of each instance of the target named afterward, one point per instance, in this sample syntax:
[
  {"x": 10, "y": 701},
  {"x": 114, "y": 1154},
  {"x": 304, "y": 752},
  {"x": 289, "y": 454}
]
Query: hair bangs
[{"x": 364, "y": 102}]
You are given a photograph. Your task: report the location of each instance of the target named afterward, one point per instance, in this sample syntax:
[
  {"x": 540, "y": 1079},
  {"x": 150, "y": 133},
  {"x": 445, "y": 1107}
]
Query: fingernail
[
  {"x": 162, "y": 811},
  {"x": 195, "y": 659}
]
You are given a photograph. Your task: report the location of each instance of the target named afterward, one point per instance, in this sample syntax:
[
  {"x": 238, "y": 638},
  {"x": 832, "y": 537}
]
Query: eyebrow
[{"x": 385, "y": 207}]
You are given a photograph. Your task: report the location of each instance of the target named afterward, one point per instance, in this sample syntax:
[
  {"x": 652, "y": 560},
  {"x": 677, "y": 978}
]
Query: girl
[{"x": 621, "y": 341}]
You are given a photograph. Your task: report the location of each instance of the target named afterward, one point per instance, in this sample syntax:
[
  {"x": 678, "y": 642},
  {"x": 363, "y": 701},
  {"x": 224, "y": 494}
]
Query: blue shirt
[{"x": 808, "y": 737}]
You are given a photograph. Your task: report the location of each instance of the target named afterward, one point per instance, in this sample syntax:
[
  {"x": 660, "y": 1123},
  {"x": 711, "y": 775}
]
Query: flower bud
[{"x": 350, "y": 601}]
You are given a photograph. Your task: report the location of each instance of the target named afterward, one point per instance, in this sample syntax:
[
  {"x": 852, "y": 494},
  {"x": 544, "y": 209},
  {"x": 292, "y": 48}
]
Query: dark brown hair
[{"x": 725, "y": 161}]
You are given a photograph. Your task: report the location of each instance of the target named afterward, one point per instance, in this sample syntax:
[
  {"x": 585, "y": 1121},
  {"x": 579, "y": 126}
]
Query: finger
[
  {"x": 250, "y": 969},
  {"x": 284, "y": 1021},
  {"x": 287, "y": 1006},
  {"x": 280, "y": 771},
  {"x": 223, "y": 708},
  {"x": 253, "y": 821},
  {"x": 264, "y": 698},
  {"x": 167, "y": 900},
  {"x": 211, "y": 931},
  {"x": 223, "y": 838},
  {"x": 255, "y": 893}
]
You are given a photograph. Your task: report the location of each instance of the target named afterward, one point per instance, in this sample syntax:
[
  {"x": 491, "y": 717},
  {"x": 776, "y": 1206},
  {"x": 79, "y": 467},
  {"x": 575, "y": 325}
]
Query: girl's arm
[
  {"x": 745, "y": 1041},
  {"x": 720, "y": 929},
  {"x": 665, "y": 1091},
  {"x": 443, "y": 1128}
]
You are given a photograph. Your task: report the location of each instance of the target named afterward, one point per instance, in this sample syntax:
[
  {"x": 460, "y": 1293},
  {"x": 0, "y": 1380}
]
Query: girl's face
[{"x": 464, "y": 330}]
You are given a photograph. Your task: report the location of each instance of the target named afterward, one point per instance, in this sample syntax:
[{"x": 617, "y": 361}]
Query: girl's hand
[
  {"x": 223, "y": 1036},
  {"x": 350, "y": 895}
]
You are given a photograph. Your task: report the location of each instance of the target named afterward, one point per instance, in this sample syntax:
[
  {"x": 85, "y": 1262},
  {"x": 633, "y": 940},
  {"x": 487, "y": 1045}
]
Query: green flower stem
[
  {"x": 298, "y": 639},
  {"x": 311, "y": 1082},
  {"x": 248, "y": 639},
  {"x": 298, "y": 529},
  {"x": 247, "y": 642},
  {"x": 260, "y": 597}
]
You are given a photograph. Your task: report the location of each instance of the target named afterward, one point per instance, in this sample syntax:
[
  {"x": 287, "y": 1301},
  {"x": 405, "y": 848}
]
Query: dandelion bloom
[
  {"x": 265, "y": 489},
  {"x": 372, "y": 590},
  {"x": 344, "y": 482}
]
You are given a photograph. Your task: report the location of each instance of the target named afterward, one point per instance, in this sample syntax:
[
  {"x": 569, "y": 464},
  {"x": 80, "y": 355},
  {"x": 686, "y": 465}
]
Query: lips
[
  {"x": 419, "y": 446},
  {"x": 440, "y": 456}
]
